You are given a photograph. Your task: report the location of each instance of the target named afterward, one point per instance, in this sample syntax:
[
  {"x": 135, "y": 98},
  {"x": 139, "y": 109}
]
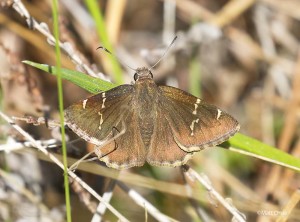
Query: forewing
[
  {"x": 126, "y": 150},
  {"x": 163, "y": 149},
  {"x": 195, "y": 125},
  {"x": 94, "y": 118}
]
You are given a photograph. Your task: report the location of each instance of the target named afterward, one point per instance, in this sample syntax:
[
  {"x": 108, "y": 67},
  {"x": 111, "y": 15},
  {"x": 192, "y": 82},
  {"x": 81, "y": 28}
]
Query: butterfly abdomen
[{"x": 146, "y": 129}]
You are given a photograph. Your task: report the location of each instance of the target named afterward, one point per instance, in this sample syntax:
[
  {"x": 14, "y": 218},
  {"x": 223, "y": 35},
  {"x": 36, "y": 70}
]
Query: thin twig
[
  {"x": 106, "y": 197},
  {"x": 290, "y": 206},
  {"x": 190, "y": 173},
  {"x": 230, "y": 12},
  {"x": 84, "y": 196},
  {"x": 141, "y": 201},
  {"x": 12, "y": 145},
  {"x": 199, "y": 211},
  {"x": 38, "y": 121},
  {"x": 114, "y": 18}
]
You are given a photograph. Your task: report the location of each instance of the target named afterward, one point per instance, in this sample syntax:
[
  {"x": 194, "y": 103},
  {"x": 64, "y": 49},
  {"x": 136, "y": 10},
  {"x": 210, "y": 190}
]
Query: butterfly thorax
[{"x": 146, "y": 98}]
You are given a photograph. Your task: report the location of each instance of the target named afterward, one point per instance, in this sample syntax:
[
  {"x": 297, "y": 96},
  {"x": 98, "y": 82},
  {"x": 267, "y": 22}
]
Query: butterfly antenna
[
  {"x": 164, "y": 53},
  {"x": 116, "y": 57}
]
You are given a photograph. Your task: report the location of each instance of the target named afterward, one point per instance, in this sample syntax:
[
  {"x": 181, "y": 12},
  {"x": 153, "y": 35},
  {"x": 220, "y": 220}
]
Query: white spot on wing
[
  {"x": 196, "y": 106},
  {"x": 103, "y": 106},
  {"x": 195, "y": 111},
  {"x": 103, "y": 100},
  {"x": 219, "y": 114},
  {"x": 84, "y": 103},
  {"x": 101, "y": 120},
  {"x": 192, "y": 126}
]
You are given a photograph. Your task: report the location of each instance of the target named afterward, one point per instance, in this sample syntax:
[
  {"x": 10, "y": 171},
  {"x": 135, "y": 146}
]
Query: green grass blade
[
  {"x": 61, "y": 108},
  {"x": 94, "y": 9},
  {"x": 249, "y": 146},
  {"x": 91, "y": 84}
]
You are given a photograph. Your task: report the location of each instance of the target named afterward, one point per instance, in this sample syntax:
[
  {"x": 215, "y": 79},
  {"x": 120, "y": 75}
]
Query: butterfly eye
[{"x": 135, "y": 77}]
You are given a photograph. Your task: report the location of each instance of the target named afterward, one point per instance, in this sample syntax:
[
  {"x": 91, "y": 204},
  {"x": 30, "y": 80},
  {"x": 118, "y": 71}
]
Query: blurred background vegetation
[{"x": 241, "y": 55}]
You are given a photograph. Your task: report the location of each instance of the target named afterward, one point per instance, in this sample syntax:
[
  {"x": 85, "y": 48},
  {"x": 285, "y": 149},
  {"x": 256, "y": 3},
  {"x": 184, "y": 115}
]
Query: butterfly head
[{"x": 143, "y": 73}]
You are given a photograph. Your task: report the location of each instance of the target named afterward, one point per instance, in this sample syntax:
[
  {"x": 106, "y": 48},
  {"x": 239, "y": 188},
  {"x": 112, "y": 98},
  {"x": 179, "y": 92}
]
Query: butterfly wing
[
  {"x": 195, "y": 125},
  {"x": 126, "y": 150},
  {"x": 93, "y": 119},
  {"x": 163, "y": 150},
  {"x": 101, "y": 120}
]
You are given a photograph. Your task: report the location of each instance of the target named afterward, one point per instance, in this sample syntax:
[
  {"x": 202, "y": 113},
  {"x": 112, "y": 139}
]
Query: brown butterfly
[{"x": 144, "y": 122}]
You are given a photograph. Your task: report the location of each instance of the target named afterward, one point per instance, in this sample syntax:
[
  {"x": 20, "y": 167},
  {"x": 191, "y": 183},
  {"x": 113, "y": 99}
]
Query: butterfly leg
[
  {"x": 75, "y": 165},
  {"x": 97, "y": 149}
]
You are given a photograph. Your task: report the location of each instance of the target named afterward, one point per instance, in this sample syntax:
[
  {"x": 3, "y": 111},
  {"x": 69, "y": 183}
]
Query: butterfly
[{"x": 142, "y": 122}]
